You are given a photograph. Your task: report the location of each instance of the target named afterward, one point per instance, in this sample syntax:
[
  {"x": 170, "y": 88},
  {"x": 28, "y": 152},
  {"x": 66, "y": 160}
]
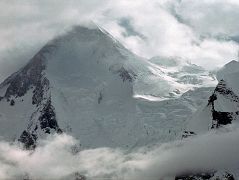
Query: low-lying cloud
[{"x": 54, "y": 158}]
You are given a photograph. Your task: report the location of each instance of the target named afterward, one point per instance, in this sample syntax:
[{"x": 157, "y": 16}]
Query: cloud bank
[
  {"x": 54, "y": 158},
  {"x": 198, "y": 31}
]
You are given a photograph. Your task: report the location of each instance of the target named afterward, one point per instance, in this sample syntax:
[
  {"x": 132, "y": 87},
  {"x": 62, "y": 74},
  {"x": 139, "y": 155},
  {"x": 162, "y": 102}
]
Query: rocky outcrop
[
  {"x": 126, "y": 75},
  {"x": 32, "y": 76},
  {"x": 29, "y": 77},
  {"x": 206, "y": 176},
  {"x": 46, "y": 123},
  {"x": 222, "y": 109},
  {"x": 220, "y": 118},
  {"x": 28, "y": 140},
  {"x": 226, "y": 91},
  {"x": 48, "y": 120}
]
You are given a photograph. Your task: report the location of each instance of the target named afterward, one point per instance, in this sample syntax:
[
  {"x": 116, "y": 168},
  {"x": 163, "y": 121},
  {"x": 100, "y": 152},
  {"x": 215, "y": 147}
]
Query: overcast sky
[{"x": 197, "y": 30}]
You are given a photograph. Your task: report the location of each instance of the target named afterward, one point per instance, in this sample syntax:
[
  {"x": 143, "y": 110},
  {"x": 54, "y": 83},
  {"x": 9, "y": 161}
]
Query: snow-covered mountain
[
  {"x": 222, "y": 107},
  {"x": 87, "y": 84}
]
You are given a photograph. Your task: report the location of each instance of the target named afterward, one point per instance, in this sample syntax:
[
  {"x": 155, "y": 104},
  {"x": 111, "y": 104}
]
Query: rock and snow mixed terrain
[
  {"x": 221, "y": 113},
  {"x": 87, "y": 84},
  {"x": 222, "y": 107}
]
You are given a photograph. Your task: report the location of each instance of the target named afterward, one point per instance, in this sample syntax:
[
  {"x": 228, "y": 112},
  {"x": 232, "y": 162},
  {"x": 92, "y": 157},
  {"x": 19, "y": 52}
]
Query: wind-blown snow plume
[{"x": 55, "y": 158}]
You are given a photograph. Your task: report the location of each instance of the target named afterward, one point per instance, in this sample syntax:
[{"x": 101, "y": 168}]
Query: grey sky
[{"x": 148, "y": 28}]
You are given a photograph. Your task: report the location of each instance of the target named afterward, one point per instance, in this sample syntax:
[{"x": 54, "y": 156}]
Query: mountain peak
[
  {"x": 223, "y": 104},
  {"x": 71, "y": 84},
  {"x": 84, "y": 83},
  {"x": 229, "y": 68}
]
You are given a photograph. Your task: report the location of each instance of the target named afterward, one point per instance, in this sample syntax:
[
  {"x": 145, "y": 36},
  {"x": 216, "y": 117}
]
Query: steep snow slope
[
  {"x": 171, "y": 77},
  {"x": 77, "y": 83},
  {"x": 223, "y": 105},
  {"x": 84, "y": 83},
  {"x": 166, "y": 120}
]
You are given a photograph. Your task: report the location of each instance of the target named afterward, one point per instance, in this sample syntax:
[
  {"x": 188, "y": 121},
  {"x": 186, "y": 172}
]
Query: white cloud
[
  {"x": 53, "y": 158},
  {"x": 27, "y": 25},
  {"x": 165, "y": 32},
  {"x": 165, "y": 28},
  {"x": 211, "y": 16}
]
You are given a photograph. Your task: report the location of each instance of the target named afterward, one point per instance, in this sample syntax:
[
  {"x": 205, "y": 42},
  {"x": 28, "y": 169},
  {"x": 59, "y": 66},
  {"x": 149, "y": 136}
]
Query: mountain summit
[
  {"x": 79, "y": 83},
  {"x": 87, "y": 84}
]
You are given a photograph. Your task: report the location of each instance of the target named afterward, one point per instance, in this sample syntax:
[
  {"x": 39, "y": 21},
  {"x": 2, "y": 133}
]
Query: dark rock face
[
  {"x": 187, "y": 134},
  {"x": 48, "y": 119},
  {"x": 222, "y": 118},
  {"x": 126, "y": 75},
  {"x": 46, "y": 123},
  {"x": 224, "y": 90},
  {"x": 12, "y": 102},
  {"x": 206, "y": 176},
  {"x": 211, "y": 100},
  {"x": 201, "y": 176},
  {"x": 100, "y": 98},
  {"x": 39, "y": 91},
  {"x": 229, "y": 176},
  {"x": 28, "y": 140},
  {"x": 32, "y": 77}
]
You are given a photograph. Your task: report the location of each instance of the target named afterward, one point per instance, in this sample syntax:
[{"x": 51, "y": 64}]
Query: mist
[{"x": 55, "y": 158}]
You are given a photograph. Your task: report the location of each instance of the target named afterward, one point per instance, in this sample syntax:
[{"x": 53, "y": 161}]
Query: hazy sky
[{"x": 197, "y": 30}]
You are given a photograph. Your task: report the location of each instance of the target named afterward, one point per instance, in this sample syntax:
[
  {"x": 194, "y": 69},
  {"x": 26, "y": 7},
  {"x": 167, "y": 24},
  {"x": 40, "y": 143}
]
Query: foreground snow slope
[{"x": 84, "y": 83}]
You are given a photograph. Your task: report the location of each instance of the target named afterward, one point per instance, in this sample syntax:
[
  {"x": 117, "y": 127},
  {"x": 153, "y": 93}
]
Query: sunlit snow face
[
  {"x": 193, "y": 30},
  {"x": 54, "y": 158}
]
